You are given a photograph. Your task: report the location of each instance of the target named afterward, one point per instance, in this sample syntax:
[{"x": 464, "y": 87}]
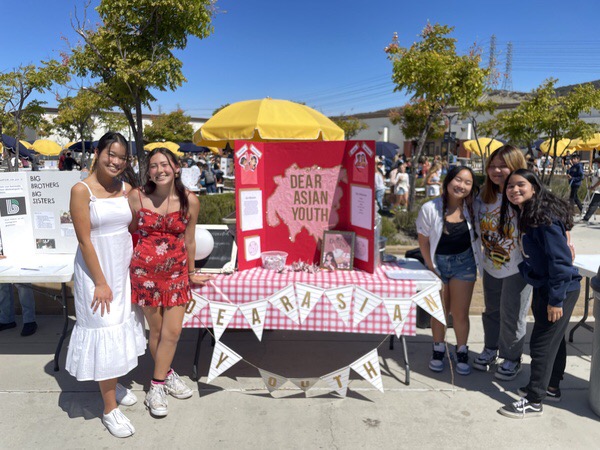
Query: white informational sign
[
  {"x": 252, "y": 211},
  {"x": 361, "y": 212},
  {"x": 190, "y": 177},
  {"x": 34, "y": 212}
]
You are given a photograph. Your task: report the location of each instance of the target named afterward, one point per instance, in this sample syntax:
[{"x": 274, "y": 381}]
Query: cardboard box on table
[{"x": 289, "y": 193}]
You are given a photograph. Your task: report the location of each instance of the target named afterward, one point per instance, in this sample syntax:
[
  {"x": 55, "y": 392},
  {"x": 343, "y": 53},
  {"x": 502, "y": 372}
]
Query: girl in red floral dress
[{"x": 162, "y": 267}]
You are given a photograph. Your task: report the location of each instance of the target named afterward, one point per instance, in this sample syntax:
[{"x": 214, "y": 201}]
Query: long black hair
[
  {"x": 105, "y": 143},
  {"x": 469, "y": 200},
  {"x": 150, "y": 186},
  {"x": 542, "y": 209}
]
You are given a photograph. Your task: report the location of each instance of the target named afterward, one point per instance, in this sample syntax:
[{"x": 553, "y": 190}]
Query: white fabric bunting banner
[
  {"x": 221, "y": 314},
  {"x": 194, "y": 306},
  {"x": 304, "y": 383},
  {"x": 222, "y": 359},
  {"x": 398, "y": 309},
  {"x": 338, "y": 380},
  {"x": 307, "y": 297},
  {"x": 368, "y": 368},
  {"x": 364, "y": 303},
  {"x": 255, "y": 313},
  {"x": 429, "y": 299},
  {"x": 285, "y": 301},
  {"x": 272, "y": 380},
  {"x": 341, "y": 300}
]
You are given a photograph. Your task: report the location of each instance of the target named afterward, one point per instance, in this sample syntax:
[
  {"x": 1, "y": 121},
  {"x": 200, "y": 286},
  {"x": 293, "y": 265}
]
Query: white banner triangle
[
  {"x": 338, "y": 380},
  {"x": 307, "y": 297},
  {"x": 194, "y": 306},
  {"x": 285, "y": 301},
  {"x": 255, "y": 313},
  {"x": 429, "y": 299},
  {"x": 368, "y": 368},
  {"x": 272, "y": 380},
  {"x": 221, "y": 314},
  {"x": 398, "y": 309},
  {"x": 222, "y": 359},
  {"x": 364, "y": 303},
  {"x": 341, "y": 300},
  {"x": 304, "y": 383}
]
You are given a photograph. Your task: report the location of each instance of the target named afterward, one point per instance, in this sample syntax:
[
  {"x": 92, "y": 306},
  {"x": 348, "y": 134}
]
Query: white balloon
[{"x": 204, "y": 243}]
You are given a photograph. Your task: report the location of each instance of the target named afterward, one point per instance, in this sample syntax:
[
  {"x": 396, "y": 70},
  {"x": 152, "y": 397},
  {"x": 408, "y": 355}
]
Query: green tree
[
  {"x": 225, "y": 105},
  {"x": 130, "y": 52},
  {"x": 412, "y": 119},
  {"x": 351, "y": 125},
  {"x": 17, "y": 107},
  {"x": 432, "y": 72},
  {"x": 174, "y": 127}
]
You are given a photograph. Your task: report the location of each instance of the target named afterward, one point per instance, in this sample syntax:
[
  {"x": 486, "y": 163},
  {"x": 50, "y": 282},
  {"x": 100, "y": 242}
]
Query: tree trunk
[{"x": 415, "y": 162}]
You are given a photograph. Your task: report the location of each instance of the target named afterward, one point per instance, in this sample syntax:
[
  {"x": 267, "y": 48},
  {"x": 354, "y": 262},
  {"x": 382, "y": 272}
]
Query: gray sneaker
[
  {"x": 176, "y": 387},
  {"x": 156, "y": 400},
  {"x": 485, "y": 359},
  {"x": 508, "y": 370}
]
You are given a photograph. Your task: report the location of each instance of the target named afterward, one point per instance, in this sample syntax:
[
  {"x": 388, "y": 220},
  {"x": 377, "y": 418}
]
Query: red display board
[{"x": 288, "y": 194}]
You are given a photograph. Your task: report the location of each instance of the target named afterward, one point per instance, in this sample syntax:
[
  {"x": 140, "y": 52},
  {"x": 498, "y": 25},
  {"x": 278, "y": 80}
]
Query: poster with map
[{"x": 306, "y": 188}]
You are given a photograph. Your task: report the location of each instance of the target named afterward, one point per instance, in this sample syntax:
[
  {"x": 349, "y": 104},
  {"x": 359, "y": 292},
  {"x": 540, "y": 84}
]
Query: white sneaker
[
  {"x": 118, "y": 424},
  {"x": 125, "y": 396},
  {"x": 176, "y": 387},
  {"x": 156, "y": 400}
]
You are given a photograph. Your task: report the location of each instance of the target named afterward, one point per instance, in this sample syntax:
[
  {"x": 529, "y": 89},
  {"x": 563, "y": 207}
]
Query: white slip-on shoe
[
  {"x": 118, "y": 424},
  {"x": 125, "y": 396}
]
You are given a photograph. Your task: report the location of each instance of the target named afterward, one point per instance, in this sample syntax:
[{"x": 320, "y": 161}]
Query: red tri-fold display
[{"x": 289, "y": 193}]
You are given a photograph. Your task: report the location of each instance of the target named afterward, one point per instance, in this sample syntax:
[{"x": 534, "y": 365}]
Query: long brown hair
[
  {"x": 150, "y": 186},
  {"x": 513, "y": 158}
]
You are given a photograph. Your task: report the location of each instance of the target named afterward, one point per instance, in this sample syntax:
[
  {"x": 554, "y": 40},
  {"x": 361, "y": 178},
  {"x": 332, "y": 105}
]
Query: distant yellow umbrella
[
  {"x": 589, "y": 144},
  {"x": 266, "y": 120},
  {"x": 167, "y": 144},
  {"x": 562, "y": 146},
  {"x": 485, "y": 145},
  {"x": 27, "y": 145},
  {"x": 46, "y": 147}
]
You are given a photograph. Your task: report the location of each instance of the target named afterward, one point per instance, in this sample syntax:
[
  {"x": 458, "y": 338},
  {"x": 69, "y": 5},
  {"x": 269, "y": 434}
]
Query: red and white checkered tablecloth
[{"x": 258, "y": 284}]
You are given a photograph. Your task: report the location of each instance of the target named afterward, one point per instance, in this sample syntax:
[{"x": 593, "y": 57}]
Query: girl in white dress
[{"x": 108, "y": 336}]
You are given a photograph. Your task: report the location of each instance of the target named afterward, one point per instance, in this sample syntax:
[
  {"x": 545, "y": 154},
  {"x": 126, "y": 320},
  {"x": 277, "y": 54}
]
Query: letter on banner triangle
[
  {"x": 272, "y": 380},
  {"x": 221, "y": 314},
  {"x": 341, "y": 300},
  {"x": 368, "y": 368},
  {"x": 364, "y": 304},
  {"x": 255, "y": 313},
  {"x": 338, "y": 380},
  {"x": 285, "y": 301},
  {"x": 222, "y": 359},
  {"x": 307, "y": 297},
  {"x": 429, "y": 299},
  {"x": 194, "y": 306},
  {"x": 398, "y": 309},
  {"x": 304, "y": 383}
]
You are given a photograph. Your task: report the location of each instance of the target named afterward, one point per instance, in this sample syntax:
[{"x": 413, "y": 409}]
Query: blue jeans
[
  {"x": 7, "y": 303},
  {"x": 379, "y": 193},
  {"x": 461, "y": 266}
]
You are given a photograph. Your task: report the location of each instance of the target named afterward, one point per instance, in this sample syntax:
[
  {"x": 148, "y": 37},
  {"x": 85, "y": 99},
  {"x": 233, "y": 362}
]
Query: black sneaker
[
  {"x": 436, "y": 363},
  {"x": 29, "y": 328},
  {"x": 551, "y": 396},
  {"x": 7, "y": 326},
  {"x": 522, "y": 409}
]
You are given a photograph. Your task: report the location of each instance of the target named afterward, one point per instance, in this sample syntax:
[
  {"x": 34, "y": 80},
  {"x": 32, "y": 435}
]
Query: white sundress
[{"x": 105, "y": 347}]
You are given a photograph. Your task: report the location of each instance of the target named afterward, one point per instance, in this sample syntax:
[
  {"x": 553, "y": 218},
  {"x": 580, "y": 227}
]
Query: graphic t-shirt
[{"x": 501, "y": 256}]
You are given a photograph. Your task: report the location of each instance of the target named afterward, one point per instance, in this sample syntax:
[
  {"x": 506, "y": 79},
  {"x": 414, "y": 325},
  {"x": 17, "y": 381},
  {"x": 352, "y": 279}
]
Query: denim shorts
[{"x": 461, "y": 266}]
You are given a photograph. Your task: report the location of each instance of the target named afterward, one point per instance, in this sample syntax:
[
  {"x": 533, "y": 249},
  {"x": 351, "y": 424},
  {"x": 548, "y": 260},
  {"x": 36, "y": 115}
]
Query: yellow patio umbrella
[
  {"x": 483, "y": 144},
  {"x": 27, "y": 145},
  {"x": 167, "y": 144},
  {"x": 563, "y": 145},
  {"x": 589, "y": 144},
  {"x": 69, "y": 144},
  {"x": 266, "y": 120},
  {"x": 46, "y": 147}
]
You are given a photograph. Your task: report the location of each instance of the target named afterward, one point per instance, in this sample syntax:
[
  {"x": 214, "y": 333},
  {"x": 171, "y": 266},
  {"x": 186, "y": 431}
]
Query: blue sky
[{"x": 329, "y": 54}]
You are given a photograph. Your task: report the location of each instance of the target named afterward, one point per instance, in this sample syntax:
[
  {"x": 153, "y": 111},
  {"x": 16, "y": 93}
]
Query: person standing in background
[{"x": 575, "y": 176}]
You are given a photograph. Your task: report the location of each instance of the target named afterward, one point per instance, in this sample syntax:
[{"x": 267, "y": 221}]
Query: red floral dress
[{"x": 159, "y": 266}]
